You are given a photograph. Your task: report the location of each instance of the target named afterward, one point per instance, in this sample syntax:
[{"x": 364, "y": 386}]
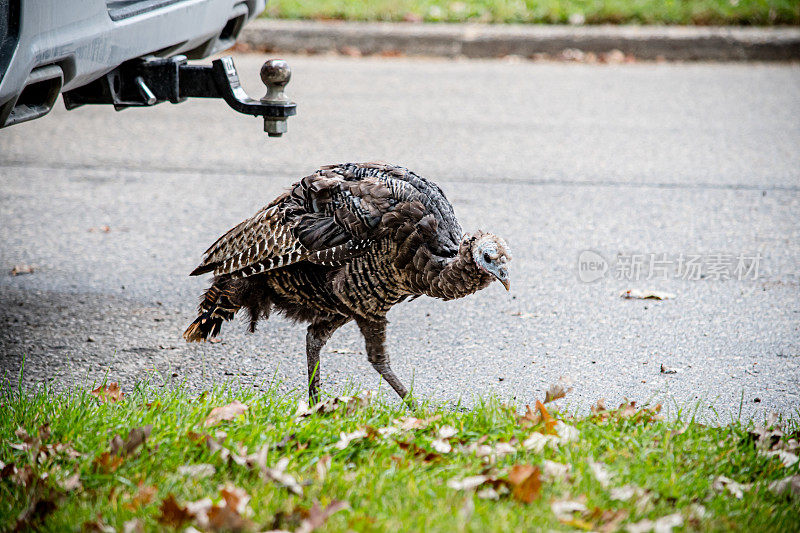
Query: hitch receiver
[{"x": 152, "y": 80}]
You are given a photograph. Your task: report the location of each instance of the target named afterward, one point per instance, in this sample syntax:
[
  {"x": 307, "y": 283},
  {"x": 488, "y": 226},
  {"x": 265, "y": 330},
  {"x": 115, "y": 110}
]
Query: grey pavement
[{"x": 557, "y": 158}]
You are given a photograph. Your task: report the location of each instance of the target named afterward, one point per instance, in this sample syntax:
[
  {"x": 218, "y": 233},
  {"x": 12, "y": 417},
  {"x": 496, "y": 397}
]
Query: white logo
[{"x": 591, "y": 266}]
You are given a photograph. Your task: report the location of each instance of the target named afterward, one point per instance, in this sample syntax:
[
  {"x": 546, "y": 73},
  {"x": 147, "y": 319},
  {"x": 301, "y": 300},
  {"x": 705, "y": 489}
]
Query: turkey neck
[{"x": 454, "y": 278}]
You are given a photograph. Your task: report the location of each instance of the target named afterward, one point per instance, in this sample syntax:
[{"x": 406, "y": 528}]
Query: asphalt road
[{"x": 626, "y": 160}]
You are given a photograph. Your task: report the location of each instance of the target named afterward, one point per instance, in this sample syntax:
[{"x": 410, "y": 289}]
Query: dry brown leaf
[
  {"x": 136, "y": 437},
  {"x": 525, "y": 482},
  {"x": 789, "y": 484},
  {"x": 19, "y": 270},
  {"x": 317, "y": 516},
  {"x": 279, "y": 475},
  {"x": 558, "y": 390},
  {"x": 348, "y": 403},
  {"x": 71, "y": 483},
  {"x": 530, "y": 418},
  {"x": 107, "y": 462},
  {"x": 144, "y": 495},
  {"x": 108, "y": 394},
  {"x": 419, "y": 453},
  {"x": 408, "y": 423},
  {"x": 173, "y": 514},
  {"x": 441, "y": 446},
  {"x": 553, "y": 471},
  {"x": 230, "y": 411}
]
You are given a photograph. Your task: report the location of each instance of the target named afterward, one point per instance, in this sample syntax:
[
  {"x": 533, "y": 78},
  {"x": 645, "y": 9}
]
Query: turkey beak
[{"x": 501, "y": 273}]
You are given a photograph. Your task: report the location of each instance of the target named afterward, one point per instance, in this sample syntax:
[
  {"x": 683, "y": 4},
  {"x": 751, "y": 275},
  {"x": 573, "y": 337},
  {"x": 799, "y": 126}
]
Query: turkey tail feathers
[{"x": 215, "y": 307}]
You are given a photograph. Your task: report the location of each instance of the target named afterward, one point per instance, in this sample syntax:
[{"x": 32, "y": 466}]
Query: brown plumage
[{"x": 346, "y": 243}]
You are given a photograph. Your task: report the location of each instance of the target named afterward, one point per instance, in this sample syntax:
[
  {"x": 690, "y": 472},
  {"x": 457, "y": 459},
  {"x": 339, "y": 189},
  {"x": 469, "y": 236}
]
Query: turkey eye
[{"x": 487, "y": 257}]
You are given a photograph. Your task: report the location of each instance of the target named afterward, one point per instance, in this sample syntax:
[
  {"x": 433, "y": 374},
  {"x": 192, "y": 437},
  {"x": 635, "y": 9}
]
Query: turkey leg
[{"x": 318, "y": 334}]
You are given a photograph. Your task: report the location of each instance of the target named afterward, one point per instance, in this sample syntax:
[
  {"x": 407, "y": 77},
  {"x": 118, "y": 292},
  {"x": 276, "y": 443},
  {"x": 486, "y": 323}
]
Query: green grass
[
  {"x": 701, "y": 12},
  {"x": 389, "y": 485}
]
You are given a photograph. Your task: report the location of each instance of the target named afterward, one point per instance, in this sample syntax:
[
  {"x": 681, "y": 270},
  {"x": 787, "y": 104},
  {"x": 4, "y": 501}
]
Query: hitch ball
[{"x": 275, "y": 73}]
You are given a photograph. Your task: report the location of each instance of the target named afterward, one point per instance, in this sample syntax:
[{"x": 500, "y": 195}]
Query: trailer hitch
[{"x": 153, "y": 80}]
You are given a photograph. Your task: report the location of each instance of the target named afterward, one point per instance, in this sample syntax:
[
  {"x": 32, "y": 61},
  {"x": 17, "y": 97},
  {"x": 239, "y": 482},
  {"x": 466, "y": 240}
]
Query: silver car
[{"x": 127, "y": 53}]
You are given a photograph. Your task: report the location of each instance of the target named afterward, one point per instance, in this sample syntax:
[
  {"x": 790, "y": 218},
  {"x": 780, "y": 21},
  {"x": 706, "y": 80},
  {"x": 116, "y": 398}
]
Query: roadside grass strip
[{"x": 138, "y": 458}]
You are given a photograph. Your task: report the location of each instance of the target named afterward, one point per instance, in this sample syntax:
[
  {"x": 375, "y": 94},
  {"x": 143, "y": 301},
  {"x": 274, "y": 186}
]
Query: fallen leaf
[
  {"x": 788, "y": 459},
  {"x": 722, "y": 484},
  {"x": 279, "y": 475},
  {"x": 107, "y": 462},
  {"x": 71, "y": 483},
  {"x": 525, "y": 482},
  {"x": 230, "y": 411},
  {"x": 667, "y": 370},
  {"x": 646, "y": 295},
  {"x": 173, "y": 514},
  {"x": 349, "y": 403},
  {"x": 19, "y": 270},
  {"x": 662, "y": 525},
  {"x": 134, "y": 525},
  {"x": 467, "y": 483},
  {"x": 317, "y": 516},
  {"x": 346, "y": 438},
  {"x": 623, "y": 493},
  {"x": 537, "y": 442},
  {"x": 441, "y": 446},
  {"x": 565, "y": 509},
  {"x": 530, "y": 418},
  {"x": 136, "y": 437},
  {"x": 408, "y": 423},
  {"x": 553, "y": 470},
  {"x": 197, "y": 471},
  {"x": 566, "y": 433},
  {"x": 601, "y": 473},
  {"x": 557, "y": 390},
  {"x": 108, "y": 394},
  {"x": 445, "y": 432},
  {"x": 489, "y": 493},
  {"x": 323, "y": 467},
  {"x": 789, "y": 484},
  {"x": 144, "y": 495}
]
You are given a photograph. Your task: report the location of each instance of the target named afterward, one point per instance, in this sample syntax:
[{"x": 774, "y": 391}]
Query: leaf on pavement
[
  {"x": 525, "y": 482},
  {"x": 108, "y": 394},
  {"x": 172, "y": 513},
  {"x": 558, "y": 390},
  {"x": 646, "y": 294},
  {"x": 230, "y": 411},
  {"x": 19, "y": 270}
]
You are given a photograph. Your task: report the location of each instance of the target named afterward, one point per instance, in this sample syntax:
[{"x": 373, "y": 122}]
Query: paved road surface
[{"x": 624, "y": 160}]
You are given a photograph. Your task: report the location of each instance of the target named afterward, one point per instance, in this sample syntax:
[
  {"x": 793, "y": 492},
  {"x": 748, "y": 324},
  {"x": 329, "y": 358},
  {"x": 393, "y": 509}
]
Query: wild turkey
[{"x": 346, "y": 243}]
